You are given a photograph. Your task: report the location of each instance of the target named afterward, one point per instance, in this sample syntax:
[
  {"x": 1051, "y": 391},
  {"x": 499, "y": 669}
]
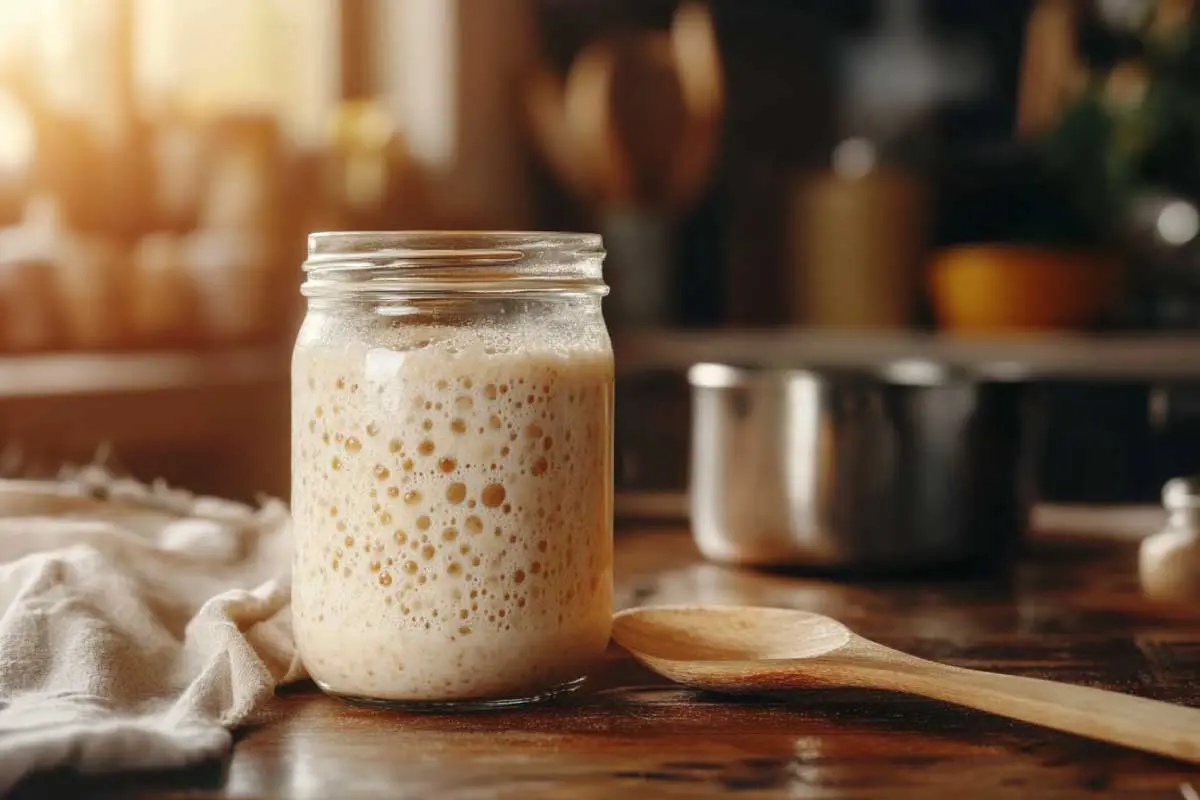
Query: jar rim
[
  {"x": 392, "y": 264},
  {"x": 465, "y": 247}
]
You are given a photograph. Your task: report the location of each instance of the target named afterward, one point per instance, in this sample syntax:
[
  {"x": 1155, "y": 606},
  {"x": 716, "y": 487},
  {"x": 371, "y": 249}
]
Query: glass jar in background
[{"x": 452, "y": 402}]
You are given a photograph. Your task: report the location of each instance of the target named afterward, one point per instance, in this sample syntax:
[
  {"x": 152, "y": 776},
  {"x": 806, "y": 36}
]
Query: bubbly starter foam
[{"x": 453, "y": 510}]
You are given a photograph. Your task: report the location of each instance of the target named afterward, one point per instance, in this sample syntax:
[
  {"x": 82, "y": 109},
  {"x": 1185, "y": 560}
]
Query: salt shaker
[{"x": 1169, "y": 561}]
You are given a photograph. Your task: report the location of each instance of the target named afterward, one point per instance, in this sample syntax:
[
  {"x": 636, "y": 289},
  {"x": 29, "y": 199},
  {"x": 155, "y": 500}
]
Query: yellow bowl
[{"x": 996, "y": 287}]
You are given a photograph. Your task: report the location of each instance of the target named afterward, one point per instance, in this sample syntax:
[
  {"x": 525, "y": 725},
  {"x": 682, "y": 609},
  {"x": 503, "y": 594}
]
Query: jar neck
[{"x": 388, "y": 266}]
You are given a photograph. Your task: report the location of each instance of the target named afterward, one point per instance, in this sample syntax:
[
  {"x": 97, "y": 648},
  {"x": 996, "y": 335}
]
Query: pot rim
[{"x": 916, "y": 372}]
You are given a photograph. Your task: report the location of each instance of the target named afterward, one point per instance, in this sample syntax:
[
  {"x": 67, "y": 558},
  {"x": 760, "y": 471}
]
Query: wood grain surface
[{"x": 1071, "y": 611}]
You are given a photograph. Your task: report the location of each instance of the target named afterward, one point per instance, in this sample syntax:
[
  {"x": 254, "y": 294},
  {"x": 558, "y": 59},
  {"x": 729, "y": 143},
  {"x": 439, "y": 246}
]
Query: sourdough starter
[{"x": 453, "y": 514}]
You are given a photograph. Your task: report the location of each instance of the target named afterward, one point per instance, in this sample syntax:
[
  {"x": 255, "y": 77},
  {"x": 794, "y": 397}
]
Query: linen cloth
[{"x": 138, "y": 624}]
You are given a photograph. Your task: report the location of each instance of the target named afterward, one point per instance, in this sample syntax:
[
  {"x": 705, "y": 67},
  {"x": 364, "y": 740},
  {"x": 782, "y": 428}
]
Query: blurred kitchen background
[{"x": 1008, "y": 185}]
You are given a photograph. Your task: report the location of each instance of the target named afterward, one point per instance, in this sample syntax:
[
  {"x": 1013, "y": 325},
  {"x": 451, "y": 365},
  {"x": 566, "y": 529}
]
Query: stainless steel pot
[{"x": 903, "y": 467}]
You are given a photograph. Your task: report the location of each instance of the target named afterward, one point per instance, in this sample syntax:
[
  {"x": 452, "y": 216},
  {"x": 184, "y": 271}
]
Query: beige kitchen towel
[{"x": 138, "y": 624}]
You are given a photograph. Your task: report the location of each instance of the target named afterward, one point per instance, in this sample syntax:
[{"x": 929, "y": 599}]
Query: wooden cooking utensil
[
  {"x": 740, "y": 650},
  {"x": 698, "y": 61},
  {"x": 552, "y": 135},
  {"x": 636, "y": 121},
  {"x": 588, "y": 110},
  {"x": 646, "y": 109}
]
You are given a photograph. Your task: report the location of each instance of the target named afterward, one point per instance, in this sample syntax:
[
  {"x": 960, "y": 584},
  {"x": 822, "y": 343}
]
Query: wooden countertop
[{"x": 1070, "y": 612}]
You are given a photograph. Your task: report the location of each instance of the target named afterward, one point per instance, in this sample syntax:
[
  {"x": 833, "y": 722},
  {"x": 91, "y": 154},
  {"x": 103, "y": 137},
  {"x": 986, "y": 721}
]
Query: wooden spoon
[
  {"x": 740, "y": 650},
  {"x": 544, "y": 100},
  {"x": 644, "y": 111}
]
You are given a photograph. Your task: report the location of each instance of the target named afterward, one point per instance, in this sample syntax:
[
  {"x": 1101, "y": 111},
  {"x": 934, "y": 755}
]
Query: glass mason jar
[{"x": 452, "y": 476}]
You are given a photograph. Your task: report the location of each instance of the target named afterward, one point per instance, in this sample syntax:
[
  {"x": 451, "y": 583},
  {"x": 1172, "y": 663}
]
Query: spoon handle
[{"x": 1135, "y": 722}]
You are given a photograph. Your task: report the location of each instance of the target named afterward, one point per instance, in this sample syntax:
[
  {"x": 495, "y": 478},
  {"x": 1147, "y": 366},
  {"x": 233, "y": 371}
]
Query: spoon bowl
[
  {"x": 728, "y": 633},
  {"x": 728, "y": 648},
  {"x": 744, "y": 649}
]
